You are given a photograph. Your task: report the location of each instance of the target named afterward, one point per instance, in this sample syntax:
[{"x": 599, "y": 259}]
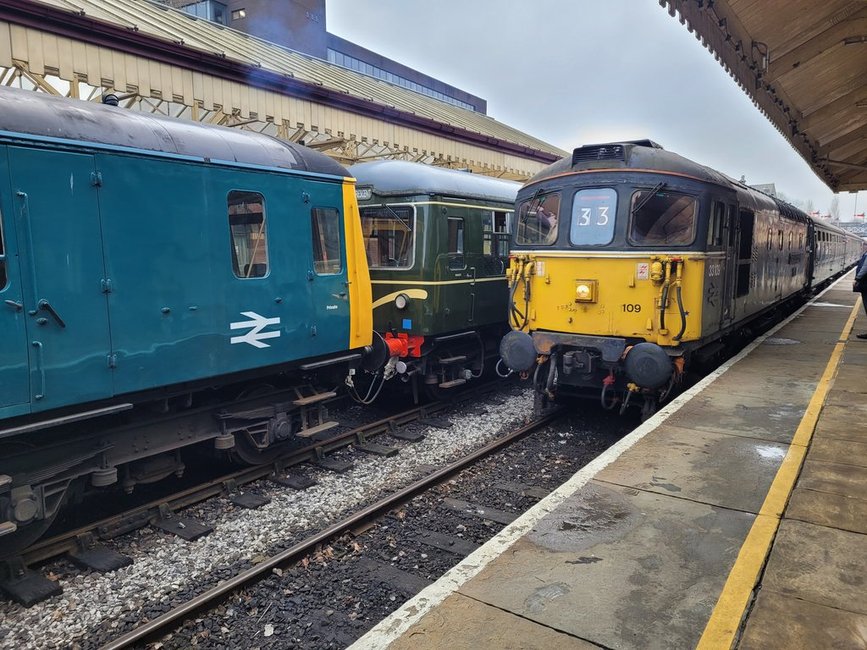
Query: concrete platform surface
[{"x": 735, "y": 517}]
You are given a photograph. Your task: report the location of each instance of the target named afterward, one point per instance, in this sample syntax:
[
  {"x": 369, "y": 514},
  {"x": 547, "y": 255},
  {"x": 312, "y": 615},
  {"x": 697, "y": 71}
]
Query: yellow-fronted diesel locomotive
[{"x": 628, "y": 261}]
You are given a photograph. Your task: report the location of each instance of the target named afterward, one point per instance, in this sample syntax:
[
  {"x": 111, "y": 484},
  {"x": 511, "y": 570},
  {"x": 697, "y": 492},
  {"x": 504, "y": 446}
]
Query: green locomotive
[{"x": 437, "y": 243}]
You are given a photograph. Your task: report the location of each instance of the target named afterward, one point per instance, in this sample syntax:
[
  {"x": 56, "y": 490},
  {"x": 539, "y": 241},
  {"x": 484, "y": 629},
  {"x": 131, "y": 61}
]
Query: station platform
[{"x": 735, "y": 517}]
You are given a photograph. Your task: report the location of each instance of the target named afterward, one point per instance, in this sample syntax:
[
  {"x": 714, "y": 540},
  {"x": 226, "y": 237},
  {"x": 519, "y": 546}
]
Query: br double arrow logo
[{"x": 255, "y": 336}]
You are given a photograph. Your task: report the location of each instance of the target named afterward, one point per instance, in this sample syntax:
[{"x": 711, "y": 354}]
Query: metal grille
[{"x": 598, "y": 152}]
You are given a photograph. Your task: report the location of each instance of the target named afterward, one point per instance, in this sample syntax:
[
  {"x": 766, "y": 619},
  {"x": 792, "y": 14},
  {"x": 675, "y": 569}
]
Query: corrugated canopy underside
[{"x": 804, "y": 63}]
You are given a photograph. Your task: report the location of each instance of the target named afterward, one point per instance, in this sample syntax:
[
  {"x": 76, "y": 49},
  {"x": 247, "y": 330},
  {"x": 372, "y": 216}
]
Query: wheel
[
  {"x": 541, "y": 399},
  {"x": 245, "y": 452},
  {"x": 15, "y": 543}
]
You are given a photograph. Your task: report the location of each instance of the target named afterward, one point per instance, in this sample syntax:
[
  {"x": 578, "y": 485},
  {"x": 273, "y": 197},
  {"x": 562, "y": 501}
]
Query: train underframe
[
  {"x": 47, "y": 463},
  {"x": 629, "y": 373},
  {"x": 433, "y": 365}
]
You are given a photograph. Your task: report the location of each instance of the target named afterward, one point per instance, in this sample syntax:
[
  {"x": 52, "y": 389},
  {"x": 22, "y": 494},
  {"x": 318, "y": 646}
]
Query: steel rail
[
  {"x": 144, "y": 514},
  {"x": 151, "y": 628}
]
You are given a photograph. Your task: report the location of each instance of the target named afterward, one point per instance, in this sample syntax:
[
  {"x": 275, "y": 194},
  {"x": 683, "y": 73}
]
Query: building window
[
  {"x": 238, "y": 14},
  {"x": 352, "y": 63},
  {"x": 249, "y": 236},
  {"x": 326, "y": 241}
]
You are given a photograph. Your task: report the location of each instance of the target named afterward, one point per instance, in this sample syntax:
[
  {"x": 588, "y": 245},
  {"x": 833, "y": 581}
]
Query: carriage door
[
  {"x": 330, "y": 290},
  {"x": 14, "y": 395},
  {"x": 56, "y": 207}
]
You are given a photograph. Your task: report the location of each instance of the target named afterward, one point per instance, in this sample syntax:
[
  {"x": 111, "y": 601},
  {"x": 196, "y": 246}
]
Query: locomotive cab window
[
  {"x": 326, "y": 241},
  {"x": 593, "y": 217},
  {"x": 715, "y": 228},
  {"x": 249, "y": 234},
  {"x": 661, "y": 218},
  {"x": 537, "y": 219},
  {"x": 388, "y": 235}
]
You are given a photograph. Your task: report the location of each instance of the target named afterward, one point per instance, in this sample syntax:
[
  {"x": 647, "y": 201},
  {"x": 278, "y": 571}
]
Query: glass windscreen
[
  {"x": 662, "y": 218},
  {"x": 593, "y": 213},
  {"x": 537, "y": 219},
  {"x": 388, "y": 235}
]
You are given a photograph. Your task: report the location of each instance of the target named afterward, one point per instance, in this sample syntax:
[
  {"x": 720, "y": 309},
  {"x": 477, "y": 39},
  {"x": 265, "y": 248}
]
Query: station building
[{"x": 300, "y": 25}]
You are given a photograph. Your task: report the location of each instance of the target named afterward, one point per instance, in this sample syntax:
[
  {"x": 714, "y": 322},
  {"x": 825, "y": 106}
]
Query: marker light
[{"x": 401, "y": 301}]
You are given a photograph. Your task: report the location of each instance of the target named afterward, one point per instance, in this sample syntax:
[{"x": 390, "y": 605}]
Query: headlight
[
  {"x": 401, "y": 301},
  {"x": 585, "y": 291}
]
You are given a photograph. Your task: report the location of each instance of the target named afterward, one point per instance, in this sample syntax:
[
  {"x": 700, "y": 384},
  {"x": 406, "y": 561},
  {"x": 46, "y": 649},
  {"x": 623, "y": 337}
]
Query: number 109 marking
[{"x": 631, "y": 307}]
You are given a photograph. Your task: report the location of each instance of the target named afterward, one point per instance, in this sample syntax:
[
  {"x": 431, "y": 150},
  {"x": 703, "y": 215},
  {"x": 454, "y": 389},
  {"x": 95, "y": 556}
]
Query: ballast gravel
[{"x": 94, "y": 607}]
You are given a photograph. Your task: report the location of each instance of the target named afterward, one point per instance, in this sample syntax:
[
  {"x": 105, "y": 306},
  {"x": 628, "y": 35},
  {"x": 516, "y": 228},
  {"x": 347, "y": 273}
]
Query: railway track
[
  {"x": 165, "y": 509},
  {"x": 98, "y": 608},
  {"x": 298, "y": 550}
]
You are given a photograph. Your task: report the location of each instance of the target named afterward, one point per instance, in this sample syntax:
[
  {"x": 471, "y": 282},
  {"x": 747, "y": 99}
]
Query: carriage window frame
[
  {"x": 521, "y": 217},
  {"x": 236, "y": 236},
  {"x": 460, "y": 233},
  {"x": 598, "y": 223},
  {"x": 640, "y": 242},
  {"x": 318, "y": 262},
  {"x": 412, "y": 241},
  {"x": 492, "y": 245}
]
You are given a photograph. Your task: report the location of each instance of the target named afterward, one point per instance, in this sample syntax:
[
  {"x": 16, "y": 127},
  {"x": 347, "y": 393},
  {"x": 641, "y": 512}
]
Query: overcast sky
[{"x": 575, "y": 72}]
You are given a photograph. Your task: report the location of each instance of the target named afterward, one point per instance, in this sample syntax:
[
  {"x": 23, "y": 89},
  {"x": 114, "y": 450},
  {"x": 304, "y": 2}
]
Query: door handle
[
  {"x": 17, "y": 306},
  {"x": 44, "y": 305},
  {"x": 40, "y": 368}
]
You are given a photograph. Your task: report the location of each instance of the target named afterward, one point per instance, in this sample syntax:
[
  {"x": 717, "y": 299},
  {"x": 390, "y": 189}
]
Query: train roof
[
  {"x": 42, "y": 115},
  {"x": 401, "y": 178},
  {"x": 631, "y": 154}
]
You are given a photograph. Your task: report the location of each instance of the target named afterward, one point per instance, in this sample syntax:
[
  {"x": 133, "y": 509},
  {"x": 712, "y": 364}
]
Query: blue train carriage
[
  {"x": 146, "y": 260},
  {"x": 437, "y": 246},
  {"x": 630, "y": 262}
]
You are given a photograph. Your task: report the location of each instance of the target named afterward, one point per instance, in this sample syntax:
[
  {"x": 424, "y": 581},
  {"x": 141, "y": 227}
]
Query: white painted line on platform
[{"x": 398, "y": 622}]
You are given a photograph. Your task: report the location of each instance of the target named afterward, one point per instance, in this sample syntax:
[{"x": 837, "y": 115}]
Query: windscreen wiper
[
  {"x": 399, "y": 218},
  {"x": 647, "y": 198}
]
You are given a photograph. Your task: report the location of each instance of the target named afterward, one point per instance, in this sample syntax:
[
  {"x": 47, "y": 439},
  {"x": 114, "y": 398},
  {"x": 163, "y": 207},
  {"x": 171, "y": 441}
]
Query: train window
[
  {"x": 746, "y": 223},
  {"x": 715, "y": 228},
  {"x": 800, "y": 241},
  {"x": 770, "y": 241},
  {"x": 388, "y": 235},
  {"x": 791, "y": 239},
  {"x": 537, "y": 219},
  {"x": 456, "y": 244},
  {"x": 326, "y": 241},
  {"x": 780, "y": 238},
  {"x": 662, "y": 218},
  {"x": 495, "y": 229},
  {"x": 456, "y": 235},
  {"x": 249, "y": 234},
  {"x": 3, "y": 278},
  {"x": 593, "y": 217}
]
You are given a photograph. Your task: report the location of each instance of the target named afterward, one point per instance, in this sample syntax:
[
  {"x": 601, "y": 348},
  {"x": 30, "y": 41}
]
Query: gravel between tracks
[{"x": 95, "y": 608}]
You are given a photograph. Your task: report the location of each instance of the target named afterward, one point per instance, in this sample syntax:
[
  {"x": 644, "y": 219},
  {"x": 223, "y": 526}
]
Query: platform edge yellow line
[{"x": 728, "y": 613}]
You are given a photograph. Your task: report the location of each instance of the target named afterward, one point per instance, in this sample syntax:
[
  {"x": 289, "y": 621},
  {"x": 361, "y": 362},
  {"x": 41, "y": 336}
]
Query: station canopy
[
  {"x": 156, "y": 54},
  {"x": 804, "y": 64}
]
